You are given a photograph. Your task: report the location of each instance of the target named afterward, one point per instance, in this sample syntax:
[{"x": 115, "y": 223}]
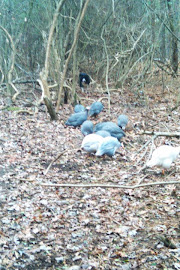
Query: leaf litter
[{"x": 94, "y": 228}]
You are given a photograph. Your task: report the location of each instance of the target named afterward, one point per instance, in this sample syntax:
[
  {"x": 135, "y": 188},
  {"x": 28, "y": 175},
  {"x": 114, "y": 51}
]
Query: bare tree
[
  {"x": 44, "y": 73},
  {"x": 9, "y": 84},
  {"x": 162, "y": 32},
  {"x": 174, "y": 40},
  {"x": 76, "y": 33}
]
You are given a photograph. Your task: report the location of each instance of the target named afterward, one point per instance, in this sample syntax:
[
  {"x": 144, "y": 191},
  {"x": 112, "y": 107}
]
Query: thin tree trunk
[
  {"x": 74, "y": 96},
  {"x": 162, "y": 33},
  {"x": 10, "y": 71},
  {"x": 56, "y": 14},
  {"x": 174, "y": 41},
  {"x": 44, "y": 73},
  {"x": 153, "y": 37},
  {"x": 76, "y": 34}
]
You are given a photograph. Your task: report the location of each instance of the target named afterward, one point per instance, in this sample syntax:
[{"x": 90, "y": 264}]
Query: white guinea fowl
[
  {"x": 164, "y": 156},
  {"x": 91, "y": 143}
]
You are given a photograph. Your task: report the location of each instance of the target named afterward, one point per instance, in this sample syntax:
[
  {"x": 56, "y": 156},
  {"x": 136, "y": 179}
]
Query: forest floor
[{"x": 73, "y": 228}]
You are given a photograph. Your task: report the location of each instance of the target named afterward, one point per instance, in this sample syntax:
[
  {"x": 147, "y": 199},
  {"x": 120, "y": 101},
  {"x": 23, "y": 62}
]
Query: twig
[
  {"x": 152, "y": 146},
  {"x": 24, "y": 111},
  {"x": 110, "y": 186},
  {"x": 56, "y": 158},
  {"x": 17, "y": 92},
  {"x": 26, "y": 180},
  {"x": 139, "y": 182},
  {"x": 167, "y": 134},
  {"x": 152, "y": 140},
  {"x": 2, "y": 76},
  {"x": 51, "y": 163},
  {"x": 167, "y": 242},
  {"x": 146, "y": 144},
  {"x": 141, "y": 157}
]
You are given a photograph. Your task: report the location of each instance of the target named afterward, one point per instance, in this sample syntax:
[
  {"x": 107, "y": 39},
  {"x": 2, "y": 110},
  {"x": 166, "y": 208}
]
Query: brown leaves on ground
[{"x": 95, "y": 228}]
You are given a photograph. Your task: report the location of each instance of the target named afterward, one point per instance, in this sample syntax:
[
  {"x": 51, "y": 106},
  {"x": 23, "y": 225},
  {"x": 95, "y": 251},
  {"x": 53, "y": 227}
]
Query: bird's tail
[
  {"x": 151, "y": 163},
  {"x": 98, "y": 153},
  {"x": 179, "y": 149}
]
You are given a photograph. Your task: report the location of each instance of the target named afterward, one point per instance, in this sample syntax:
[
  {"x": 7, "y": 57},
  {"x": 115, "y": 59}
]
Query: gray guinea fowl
[
  {"x": 112, "y": 128},
  {"x": 103, "y": 133},
  {"x": 87, "y": 127},
  {"x": 108, "y": 146},
  {"x": 79, "y": 108},
  {"x": 122, "y": 121},
  {"x": 77, "y": 119},
  {"x": 95, "y": 108}
]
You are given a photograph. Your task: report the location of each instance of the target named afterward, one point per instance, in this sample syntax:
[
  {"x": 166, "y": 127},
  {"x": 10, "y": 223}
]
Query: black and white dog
[{"x": 83, "y": 79}]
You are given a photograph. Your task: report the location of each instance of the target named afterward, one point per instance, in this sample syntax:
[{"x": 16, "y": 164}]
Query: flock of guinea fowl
[{"x": 104, "y": 138}]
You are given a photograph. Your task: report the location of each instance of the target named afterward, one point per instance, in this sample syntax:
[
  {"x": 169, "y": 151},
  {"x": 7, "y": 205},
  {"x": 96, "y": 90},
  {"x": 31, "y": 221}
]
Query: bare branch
[
  {"x": 107, "y": 71},
  {"x": 17, "y": 92},
  {"x": 166, "y": 134},
  {"x": 56, "y": 158},
  {"x": 167, "y": 27},
  {"x": 13, "y": 57},
  {"x": 110, "y": 186},
  {"x": 56, "y": 14}
]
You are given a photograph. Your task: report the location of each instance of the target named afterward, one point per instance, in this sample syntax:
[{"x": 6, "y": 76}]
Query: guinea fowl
[
  {"x": 112, "y": 128},
  {"x": 77, "y": 119},
  {"x": 83, "y": 79},
  {"x": 91, "y": 143},
  {"x": 87, "y": 127},
  {"x": 79, "y": 108},
  {"x": 164, "y": 156},
  {"x": 95, "y": 108},
  {"x": 103, "y": 133},
  {"x": 108, "y": 146},
  {"x": 122, "y": 121}
]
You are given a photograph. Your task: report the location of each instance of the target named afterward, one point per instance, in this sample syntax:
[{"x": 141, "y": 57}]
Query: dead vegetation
[{"x": 46, "y": 227}]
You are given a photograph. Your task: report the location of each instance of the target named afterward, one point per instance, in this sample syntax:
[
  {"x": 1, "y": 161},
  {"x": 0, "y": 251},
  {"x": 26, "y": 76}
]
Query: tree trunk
[
  {"x": 162, "y": 33},
  {"x": 153, "y": 17},
  {"x": 46, "y": 96},
  {"x": 76, "y": 34},
  {"x": 174, "y": 41},
  {"x": 44, "y": 73}
]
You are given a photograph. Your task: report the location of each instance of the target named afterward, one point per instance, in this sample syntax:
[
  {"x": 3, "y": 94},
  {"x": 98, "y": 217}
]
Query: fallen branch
[
  {"x": 56, "y": 158},
  {"x": 167, "y": 242},
  {"x": 166, "y": 134},
  {"x": 175, "y": 107},
  {"x": 144, "y": 146},
  {"x": 110, "y": 186},
  {"x": 24, "y": 111},
  {"x": 26, "y": 180},
  {"x": 51, "y": 163}
]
